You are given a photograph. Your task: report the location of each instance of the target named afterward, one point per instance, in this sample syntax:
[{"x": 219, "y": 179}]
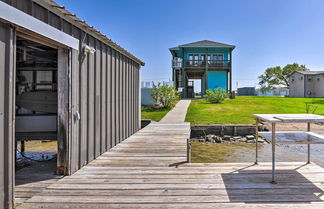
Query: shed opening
[{"x": 36, "y": 119}]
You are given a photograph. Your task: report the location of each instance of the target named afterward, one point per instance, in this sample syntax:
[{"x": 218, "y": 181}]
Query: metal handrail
[
  {"x": 201, "y": 63},
  {"x": 176, "y": 63},
  {"x": 204, "y": 63}
]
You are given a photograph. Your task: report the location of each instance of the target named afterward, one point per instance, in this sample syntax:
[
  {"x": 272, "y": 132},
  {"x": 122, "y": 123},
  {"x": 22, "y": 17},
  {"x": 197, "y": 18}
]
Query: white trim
[{"x": 13, "y": 15}]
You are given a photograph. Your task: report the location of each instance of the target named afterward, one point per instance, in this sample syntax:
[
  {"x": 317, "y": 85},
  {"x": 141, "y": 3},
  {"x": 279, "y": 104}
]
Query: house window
[
  {"x": 202, "y": 59},
  {"x": 209, "y": 59},
  {"x": 191, "y": 59},
  {"x": 196, "y": 58},
  {"x": 217, "y": 58}
]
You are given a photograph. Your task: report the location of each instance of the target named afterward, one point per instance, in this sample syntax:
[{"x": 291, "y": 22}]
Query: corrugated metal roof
[
  {"x": 204, "y": 43},
  {"x": 310, "y": 72},
  {"x": 84, "y": 25}
]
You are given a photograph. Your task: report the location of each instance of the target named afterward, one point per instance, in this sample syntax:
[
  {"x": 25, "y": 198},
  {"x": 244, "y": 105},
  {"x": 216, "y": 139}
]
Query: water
[
  {"x": 202, "y": 152},
  {"x": 35, "y": 151},
  {"x": 244, "y": 152}
]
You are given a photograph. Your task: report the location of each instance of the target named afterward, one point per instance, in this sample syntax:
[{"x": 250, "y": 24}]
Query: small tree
[
  {"x": 216, "y": 96},
  {"x": 277, "y": 76},
  {"x": 166, "y": 96}
]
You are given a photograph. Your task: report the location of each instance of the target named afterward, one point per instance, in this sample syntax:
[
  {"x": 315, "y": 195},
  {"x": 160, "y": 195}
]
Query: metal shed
[
  {"x": 97, "y": 86},
  {"x": 246, "y": 91}
]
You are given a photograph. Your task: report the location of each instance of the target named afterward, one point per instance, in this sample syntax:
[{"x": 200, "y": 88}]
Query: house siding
[
  {"x": 217, "y": 79},
  {"x": 296, "y": 85},
  {"x": 310, "y": 82},
  {"x": 319, "y": 86}
]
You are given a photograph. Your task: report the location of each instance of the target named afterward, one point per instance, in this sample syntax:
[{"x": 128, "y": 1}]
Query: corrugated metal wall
[
  {"x": 106, "y": 95},
  {"x": 103, "y": 88},
  {"x": 7, "y": 53}
]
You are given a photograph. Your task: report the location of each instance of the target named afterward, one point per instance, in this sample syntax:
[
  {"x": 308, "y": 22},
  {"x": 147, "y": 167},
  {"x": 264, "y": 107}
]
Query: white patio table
[{"x": 288, "y": 137}]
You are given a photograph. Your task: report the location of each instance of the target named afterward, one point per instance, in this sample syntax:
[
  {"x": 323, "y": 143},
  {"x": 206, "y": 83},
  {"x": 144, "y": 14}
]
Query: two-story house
[{"x": 206, "y": 60}]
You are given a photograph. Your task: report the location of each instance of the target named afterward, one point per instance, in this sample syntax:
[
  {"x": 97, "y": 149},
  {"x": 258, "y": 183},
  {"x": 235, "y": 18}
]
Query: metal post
[
  {"x": 256, "y": 140},
  {"x": 16, "y": 149},
  {"x": 22, "y": 146},
  {"x": 231, "y": 71},
  {"x": 308, "y": 145},
  {"x": 206, "y": 70},
  {"x": 188, "y": 151},
  {"x": 184, "y": 86},
  {"x": 173, "y": 77},
  {"x": 273, "y": 152}
]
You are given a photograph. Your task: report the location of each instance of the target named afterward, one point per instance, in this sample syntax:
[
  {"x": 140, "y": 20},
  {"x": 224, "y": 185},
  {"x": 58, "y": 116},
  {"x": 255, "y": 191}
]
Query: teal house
[{"x": 208, "y": 61}]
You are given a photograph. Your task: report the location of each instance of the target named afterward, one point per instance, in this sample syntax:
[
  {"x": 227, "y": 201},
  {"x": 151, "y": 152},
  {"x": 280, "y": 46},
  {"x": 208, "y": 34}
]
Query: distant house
[
  {"x": 280, "y": 91},
  {"x": 208, "y": 61},
  {"x": 246, "y": 91},
  {"x": 146, "y": 98},
  {"x": 146, "y": 90},
  {"x": 306, "y": 84}
]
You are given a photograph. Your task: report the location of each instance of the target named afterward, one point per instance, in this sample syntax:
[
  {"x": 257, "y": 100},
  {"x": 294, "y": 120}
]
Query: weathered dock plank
[
  {"x": 148, "y": 170},
  {"x": 29, "y": 183}
]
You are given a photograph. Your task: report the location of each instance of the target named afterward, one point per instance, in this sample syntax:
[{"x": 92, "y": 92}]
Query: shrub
[
  {"x": 216, "y": 96},
  {"x": 166, "y": 96}
]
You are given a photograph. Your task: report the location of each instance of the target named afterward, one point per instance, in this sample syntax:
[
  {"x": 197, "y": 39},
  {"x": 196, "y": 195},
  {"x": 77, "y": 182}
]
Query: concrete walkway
[{"x": 178, "y": 113}]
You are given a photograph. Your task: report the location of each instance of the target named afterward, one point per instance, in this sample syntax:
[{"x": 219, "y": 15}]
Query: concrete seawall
[{"x": 232, "y": 130}]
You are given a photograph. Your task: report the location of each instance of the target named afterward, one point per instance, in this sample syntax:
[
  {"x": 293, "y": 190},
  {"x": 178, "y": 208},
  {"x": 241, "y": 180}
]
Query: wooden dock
[
  {"x": 34, "y": 179},
  {"x": 149, "y": 170}
]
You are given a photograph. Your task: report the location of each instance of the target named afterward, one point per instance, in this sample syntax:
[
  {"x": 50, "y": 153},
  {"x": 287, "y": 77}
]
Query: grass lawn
[
  {"x": 241, "y": 109},
  {"x": 149, "y": 112}
]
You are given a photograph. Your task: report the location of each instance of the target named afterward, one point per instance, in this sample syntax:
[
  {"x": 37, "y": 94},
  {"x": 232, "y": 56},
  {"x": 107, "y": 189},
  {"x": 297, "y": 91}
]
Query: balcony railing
[
  {"x": 176, "y": 63},
  {"x": 218, "y": 64}
]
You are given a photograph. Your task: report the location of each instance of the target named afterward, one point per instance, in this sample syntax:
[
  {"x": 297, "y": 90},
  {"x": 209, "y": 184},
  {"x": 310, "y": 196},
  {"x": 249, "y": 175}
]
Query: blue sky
[{"x": 266, "y": 32}]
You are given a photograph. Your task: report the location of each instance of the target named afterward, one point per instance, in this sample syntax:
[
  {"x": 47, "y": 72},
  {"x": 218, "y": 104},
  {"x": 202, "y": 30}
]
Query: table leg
[
  {"x": 273, "y": 152},
  {"x": 308, "y": 145},
  {"x": 256, "y": 140}
]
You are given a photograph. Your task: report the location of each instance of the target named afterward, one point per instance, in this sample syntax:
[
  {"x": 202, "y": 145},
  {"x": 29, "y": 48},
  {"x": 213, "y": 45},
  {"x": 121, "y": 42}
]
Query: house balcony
[{"x": 202, "y": 64}]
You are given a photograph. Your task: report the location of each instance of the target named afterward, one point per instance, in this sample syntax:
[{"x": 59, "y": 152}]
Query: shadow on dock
[{"x": 253, "y": 186}]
